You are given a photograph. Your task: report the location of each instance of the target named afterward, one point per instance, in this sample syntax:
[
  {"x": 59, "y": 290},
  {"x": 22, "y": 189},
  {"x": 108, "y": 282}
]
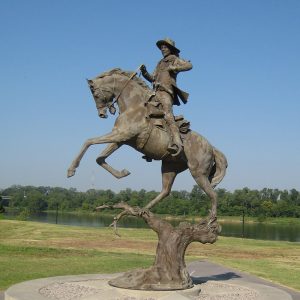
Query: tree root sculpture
[{"x": 169, "y": 270}]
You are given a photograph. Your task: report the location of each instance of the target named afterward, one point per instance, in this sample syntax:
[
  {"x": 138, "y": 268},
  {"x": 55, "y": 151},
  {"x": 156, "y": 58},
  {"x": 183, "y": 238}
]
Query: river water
[{"x": 261, "y": 231}]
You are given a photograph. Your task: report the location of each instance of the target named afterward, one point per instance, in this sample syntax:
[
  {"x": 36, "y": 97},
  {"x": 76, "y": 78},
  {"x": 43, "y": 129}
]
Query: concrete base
[{"x": 96, "y": 287}]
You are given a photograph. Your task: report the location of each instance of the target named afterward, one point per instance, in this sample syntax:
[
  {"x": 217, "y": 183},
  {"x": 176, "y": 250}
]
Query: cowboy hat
[{"x": 170, "y": 43}]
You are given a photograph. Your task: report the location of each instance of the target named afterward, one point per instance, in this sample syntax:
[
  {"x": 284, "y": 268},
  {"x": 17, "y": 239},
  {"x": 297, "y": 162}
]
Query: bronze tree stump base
[
  {"x": 148, "y": 279},
  {"x": 169, "y": 270}
]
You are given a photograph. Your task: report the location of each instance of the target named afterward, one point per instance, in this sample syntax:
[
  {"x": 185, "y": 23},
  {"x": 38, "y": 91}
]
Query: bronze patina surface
[
  {"x": 147, "y": 124},
  {"x": 164, "y": 84}
]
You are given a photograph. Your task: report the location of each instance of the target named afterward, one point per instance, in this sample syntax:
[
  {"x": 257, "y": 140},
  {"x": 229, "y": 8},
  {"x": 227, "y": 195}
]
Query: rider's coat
[{"x": 165, "y": 74}]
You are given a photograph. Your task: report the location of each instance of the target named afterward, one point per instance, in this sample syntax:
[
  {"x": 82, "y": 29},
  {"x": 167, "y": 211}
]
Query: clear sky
[{"x": 244, "y": 86}]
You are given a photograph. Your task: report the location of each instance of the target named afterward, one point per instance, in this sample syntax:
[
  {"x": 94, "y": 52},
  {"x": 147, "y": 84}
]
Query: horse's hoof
[
  {"x": 70, "y": 173},
  {"x": 125, "y": 173}
]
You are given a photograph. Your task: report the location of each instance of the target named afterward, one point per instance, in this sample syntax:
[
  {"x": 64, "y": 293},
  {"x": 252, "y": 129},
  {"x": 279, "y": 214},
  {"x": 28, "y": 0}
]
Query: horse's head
[
  {"x": 117, "y": 86},
  {"x": 103, "y": 95}
]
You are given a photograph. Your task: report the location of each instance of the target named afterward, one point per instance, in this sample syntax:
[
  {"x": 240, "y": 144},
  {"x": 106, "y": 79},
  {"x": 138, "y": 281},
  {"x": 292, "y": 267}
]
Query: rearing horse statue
[{"x": 206, "y": 164}]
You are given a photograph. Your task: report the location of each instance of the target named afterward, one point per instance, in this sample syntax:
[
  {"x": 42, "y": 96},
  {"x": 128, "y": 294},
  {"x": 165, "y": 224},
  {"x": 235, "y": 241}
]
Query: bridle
[
  {"x": 111, "y": 105},
  {"x": 102, "y": 90}
]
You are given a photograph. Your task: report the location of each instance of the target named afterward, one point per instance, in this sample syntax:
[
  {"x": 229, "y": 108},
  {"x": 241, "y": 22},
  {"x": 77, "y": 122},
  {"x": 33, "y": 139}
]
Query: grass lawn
[{"x": 30, "y": 250}]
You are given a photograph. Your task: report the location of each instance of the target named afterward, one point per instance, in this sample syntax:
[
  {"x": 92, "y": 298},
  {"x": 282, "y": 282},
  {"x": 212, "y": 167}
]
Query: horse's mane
[{"x": 119, "y": 71}]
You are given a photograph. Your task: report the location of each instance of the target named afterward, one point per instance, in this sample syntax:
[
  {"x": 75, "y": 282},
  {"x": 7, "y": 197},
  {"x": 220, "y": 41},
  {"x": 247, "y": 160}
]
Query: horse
[{"x": 207, "y": 165}]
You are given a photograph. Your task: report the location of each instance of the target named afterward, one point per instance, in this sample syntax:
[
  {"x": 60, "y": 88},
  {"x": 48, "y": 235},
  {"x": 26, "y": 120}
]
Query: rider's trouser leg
[{"x": 167, "y": 102}]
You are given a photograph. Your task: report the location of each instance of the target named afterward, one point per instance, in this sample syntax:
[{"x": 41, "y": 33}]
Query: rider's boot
[{"x": 175, "y": 147}]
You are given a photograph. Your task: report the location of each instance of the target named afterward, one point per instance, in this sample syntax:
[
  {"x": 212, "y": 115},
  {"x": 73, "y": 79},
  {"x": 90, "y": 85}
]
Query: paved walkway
[{"x": 203, "y": 271}]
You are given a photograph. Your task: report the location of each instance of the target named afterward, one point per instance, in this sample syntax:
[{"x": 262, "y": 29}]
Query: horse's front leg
[
  {"x": 113, "y": 137},
  {"x": 104, "y": 154}
]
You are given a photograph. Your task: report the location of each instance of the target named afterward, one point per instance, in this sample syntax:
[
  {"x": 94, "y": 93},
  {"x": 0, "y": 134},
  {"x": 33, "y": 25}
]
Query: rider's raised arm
[
  {"x": 145, "y": 74},
  {"x": 181, "y": 65}
]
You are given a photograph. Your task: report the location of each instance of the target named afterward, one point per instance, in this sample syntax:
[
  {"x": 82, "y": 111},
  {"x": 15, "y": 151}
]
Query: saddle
[{"x": 155, "y": 115}]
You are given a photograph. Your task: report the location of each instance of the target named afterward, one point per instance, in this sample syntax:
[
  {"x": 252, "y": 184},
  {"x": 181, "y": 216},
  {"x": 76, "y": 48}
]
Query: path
[{"x": 202, "y": 271}]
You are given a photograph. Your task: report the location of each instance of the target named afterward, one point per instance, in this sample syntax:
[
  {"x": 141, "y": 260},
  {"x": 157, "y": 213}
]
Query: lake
[{"x": 261, "y": 231}]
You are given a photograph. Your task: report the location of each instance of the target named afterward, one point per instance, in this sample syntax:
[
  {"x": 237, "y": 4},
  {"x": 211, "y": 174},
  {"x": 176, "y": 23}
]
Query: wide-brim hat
[{"x": 170, "y": 43}]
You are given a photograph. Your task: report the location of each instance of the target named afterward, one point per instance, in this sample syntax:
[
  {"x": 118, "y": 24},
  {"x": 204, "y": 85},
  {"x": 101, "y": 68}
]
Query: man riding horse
[{"x": 166, "y": 90}]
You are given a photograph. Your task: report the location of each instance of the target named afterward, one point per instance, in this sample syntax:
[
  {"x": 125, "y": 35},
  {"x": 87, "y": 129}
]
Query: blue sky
[{"x": 244, "y": 86}]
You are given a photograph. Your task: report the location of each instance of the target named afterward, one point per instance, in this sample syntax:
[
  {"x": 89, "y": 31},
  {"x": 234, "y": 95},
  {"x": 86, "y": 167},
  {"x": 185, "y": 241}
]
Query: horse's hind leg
[
  {"x": 203, "y": 181},
  {"x": 104, "y": 154},
  {"x": 200, "y": 162},
  {"x": 169, "y": 172}
]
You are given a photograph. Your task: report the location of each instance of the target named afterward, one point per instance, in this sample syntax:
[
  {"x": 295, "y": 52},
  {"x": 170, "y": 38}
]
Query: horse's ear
[{"x": 90, "y": 82}]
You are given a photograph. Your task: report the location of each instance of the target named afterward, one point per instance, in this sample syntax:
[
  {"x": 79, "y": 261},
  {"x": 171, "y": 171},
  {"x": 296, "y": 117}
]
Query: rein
[{"x": 124, "y": 86}]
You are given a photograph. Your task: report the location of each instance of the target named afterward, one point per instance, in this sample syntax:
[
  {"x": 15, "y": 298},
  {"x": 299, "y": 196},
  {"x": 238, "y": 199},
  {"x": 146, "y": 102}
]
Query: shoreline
[{"x": 221, "y": 219}]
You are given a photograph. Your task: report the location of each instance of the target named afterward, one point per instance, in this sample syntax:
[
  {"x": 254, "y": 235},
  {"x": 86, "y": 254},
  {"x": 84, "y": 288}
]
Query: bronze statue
[
  {"x": 135, "y": 127},
  {"x": 164, "y": 84},
  {"x": 146, "y": 123}
]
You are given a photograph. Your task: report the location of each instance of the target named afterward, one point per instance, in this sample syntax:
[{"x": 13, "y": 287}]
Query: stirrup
[
  {"x": 175, "y": 150},
  {"x": 148, "y": 159}
]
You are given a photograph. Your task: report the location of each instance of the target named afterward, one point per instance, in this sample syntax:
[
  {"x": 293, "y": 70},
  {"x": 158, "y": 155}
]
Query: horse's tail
[{"x": 219, "y": 169}]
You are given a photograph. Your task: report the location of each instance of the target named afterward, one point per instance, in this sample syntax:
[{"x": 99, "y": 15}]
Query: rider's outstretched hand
[{"x": 143, "y": 69}]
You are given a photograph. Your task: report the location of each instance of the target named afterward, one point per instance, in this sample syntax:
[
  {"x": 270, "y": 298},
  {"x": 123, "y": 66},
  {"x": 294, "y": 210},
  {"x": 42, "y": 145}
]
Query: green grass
[
  {"x": 30, "y": 250},
  {"x": 24, "y": 263}
]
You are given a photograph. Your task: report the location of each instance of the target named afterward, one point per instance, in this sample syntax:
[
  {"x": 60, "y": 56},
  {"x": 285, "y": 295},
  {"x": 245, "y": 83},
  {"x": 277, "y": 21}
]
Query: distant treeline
[{"x": 257, "y": 203}]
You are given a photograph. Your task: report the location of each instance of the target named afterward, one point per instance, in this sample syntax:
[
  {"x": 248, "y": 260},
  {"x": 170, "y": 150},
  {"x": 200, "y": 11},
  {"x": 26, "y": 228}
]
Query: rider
[{"x": 166, "y": 90}]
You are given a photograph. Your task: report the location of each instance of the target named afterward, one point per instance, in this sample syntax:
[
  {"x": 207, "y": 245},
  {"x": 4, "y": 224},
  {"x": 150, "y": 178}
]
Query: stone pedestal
[{"x": 96, "y": 287}]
